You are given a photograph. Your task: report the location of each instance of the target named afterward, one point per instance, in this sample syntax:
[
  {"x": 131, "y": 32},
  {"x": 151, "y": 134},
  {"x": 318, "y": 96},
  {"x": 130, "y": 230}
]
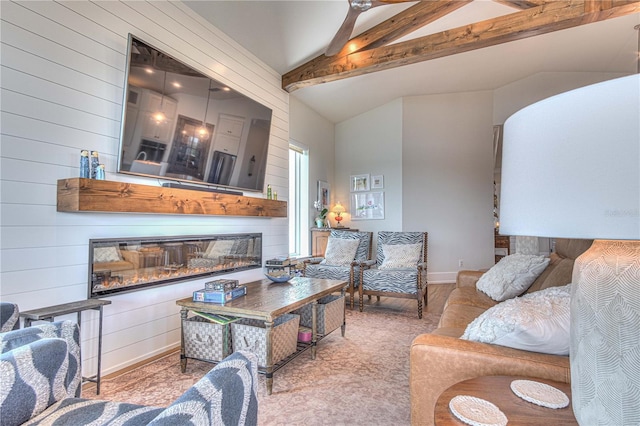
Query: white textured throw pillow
[
  {"x": 537, "y": 322},
  {"x": 106, "y": 254},
  {"x": 511, "y": 276},
  {"x": 340, "y": 251},
  {"x": 401, "y": 255}
]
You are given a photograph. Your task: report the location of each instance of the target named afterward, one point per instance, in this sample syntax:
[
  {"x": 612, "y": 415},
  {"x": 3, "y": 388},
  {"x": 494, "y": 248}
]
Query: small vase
[{"x": 319, "y": 223}]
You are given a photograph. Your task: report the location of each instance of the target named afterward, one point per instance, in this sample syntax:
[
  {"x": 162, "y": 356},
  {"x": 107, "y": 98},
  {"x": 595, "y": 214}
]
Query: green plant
[{"x": 323, "y": 213}]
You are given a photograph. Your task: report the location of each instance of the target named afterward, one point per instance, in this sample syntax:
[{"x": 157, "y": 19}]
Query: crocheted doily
[
  {"x": 476, "y": 412},
  {"x": 540, "y": 393}
]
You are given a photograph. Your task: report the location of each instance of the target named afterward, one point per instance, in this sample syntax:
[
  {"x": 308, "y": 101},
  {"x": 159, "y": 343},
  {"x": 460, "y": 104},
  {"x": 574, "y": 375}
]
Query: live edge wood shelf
[{"x": 90, "y": 195}]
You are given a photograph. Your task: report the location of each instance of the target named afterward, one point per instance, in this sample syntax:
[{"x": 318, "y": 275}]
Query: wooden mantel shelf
[{"x": 90, "y": 195}]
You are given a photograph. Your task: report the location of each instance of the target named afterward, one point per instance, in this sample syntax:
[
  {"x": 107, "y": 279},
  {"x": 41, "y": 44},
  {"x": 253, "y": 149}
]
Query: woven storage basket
[
  {"x": 330, "y": 314},
  {"x": 250, "y": 335},
  {"x": 206, "y": 340}
]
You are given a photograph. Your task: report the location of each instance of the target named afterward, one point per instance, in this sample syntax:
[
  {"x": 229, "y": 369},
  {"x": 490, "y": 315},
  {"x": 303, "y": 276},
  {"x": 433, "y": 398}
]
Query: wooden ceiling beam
[
  {"x": 522, "y": 4},
  {"x": 405, "y": 22},
  {"x": 549, "y": 17}
]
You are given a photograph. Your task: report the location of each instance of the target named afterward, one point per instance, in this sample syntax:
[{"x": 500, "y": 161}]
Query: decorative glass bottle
[
  {"x": 84, "y": 163},
  {"x": 95, "y": 162}
]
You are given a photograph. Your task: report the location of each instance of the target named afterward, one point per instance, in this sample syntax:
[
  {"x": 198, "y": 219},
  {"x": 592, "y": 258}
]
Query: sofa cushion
[
  {"x": 537, "y": 322},
  {"x": 469, "y": 296},
  {"x": 511, "y": 276}
]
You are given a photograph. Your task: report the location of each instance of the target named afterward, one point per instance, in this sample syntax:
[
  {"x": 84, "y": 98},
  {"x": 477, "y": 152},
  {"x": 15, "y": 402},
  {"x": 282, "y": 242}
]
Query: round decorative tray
[
  {"x": 476, "y": 412},
  {"x": 278, "y": 278},
  {"x": 540, "y": 393}
]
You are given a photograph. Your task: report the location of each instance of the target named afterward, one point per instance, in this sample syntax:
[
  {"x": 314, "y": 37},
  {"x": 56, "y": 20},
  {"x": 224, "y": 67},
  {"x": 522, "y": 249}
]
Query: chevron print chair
[
  {"x": 342, "y": 259},
  {"x": 41, "y": 377},
  {"x": 399, "y": 270}
]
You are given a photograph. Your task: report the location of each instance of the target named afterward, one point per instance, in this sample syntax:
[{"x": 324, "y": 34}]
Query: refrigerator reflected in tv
[{"x": 222, "y": 168}]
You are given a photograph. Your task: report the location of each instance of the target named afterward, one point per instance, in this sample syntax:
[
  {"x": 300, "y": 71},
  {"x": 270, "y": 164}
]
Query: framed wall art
[
  {"x": 324, "y": 195},
  {"x": 367, "y": 205},
  {"x": 360, "y": 183},
  {"x": 377, "y": 181}
]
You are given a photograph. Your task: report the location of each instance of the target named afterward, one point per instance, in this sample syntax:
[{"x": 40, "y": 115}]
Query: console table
[{"x": 48, "y": 314}]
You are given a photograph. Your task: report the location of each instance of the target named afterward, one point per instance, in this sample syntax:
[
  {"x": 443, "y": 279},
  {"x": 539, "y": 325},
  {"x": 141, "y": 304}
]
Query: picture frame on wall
[
  {"x": 367, "y": 206},
  {"x": 377, "y": 181},
  {"x": 360, "y": 183},
  {"x": 324, "y": 195}
]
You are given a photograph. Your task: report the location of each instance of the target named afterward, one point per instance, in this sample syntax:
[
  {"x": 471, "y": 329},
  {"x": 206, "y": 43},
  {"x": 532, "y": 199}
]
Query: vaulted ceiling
[{"x": 425, "y": 47}]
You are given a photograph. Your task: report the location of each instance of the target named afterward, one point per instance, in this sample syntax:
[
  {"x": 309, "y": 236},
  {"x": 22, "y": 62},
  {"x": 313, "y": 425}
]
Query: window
[{"x": 298, "y": 200}]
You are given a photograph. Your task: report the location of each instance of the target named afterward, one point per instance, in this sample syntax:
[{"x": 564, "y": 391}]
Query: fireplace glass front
[{"x": 119, "y": 265}]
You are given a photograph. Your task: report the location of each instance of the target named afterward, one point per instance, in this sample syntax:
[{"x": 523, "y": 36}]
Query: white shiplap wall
[{"x": 62, "y": 76}]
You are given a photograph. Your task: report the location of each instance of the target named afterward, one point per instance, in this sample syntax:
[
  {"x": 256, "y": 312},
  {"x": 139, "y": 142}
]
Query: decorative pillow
[
  {"x": 106, "y": 254},
  {"x": 511, "y": 276},
  {"x": 398, "y": 256},
  {"x": 537, "y": 322},
  {"x": 340, "y": 251},
  {"x": 219, "y": 248}
]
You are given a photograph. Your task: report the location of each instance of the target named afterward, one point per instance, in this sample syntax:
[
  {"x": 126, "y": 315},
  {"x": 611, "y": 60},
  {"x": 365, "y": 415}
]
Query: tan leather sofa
[{"x": 440, "y": 359}]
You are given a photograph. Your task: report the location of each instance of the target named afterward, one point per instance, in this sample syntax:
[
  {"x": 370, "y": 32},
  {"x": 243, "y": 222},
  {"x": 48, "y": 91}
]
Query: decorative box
[
  {"x": 216, "y": 296},
  {"x": 206, "y": 340},
  {"x": 330, "y": 314},
  {"x": 221, "y": 285},
  {"x": 250, "y": 335}
]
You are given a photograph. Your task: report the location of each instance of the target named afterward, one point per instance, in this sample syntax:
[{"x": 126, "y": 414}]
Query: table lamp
[
  {"x": 571, "y": 169},
  {"x": 338, "y": 209}
]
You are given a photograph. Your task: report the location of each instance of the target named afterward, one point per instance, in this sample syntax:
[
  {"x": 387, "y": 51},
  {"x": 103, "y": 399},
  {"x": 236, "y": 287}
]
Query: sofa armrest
[
  {"x": 226, "y": 395},
  {"x": 32, "y": 379},
  {"x": 438, "y": 362},
  {"x": 468, "y": 278}
]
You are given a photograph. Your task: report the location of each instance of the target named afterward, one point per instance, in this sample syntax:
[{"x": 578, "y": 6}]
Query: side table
[
  {"x": 48, "y": 314},
  {"x": 497, "y": 390}
]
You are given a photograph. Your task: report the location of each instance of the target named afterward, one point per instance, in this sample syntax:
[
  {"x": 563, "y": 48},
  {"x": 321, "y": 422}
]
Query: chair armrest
[
  {"x": 313, "y": 260},
  {"x": 438, "y": 362},
  {"x": 468, "y": 278},
  {"x": 67, "y": 330},
  {"x": 232, "y": 385},
  {"x": 422, "y": 265},
  {"x": 368, "y": 263},
  {"x": 31, "y": 379}
]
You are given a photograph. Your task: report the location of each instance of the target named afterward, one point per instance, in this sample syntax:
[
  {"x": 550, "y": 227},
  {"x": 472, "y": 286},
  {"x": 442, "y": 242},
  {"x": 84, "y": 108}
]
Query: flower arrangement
[{"x": 322, "y": 214}]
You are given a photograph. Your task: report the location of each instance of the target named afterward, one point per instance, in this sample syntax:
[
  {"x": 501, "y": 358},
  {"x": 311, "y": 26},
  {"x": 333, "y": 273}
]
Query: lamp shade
[
  {"x": 339, "y": 208},
  {"x": 571, "y": 168},
  {"x": 571, "y": 164}
]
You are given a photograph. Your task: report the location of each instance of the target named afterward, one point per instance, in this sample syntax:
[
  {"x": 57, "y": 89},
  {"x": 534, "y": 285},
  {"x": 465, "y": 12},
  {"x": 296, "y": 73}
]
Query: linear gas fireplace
[{"x": 118, "y": 265}]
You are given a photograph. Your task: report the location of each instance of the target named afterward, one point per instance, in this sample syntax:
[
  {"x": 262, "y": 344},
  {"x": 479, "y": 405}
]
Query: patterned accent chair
[
  {"x": 9, "y": 317},
  {"x": 40, "y": 385},
  {"x": 348, "y": 270},
  {"x": 399, "y": 270}
]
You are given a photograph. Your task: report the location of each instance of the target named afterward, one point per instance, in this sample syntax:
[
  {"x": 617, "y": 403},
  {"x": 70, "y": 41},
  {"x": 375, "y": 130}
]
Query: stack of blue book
[{"x": 218, "y": 296}]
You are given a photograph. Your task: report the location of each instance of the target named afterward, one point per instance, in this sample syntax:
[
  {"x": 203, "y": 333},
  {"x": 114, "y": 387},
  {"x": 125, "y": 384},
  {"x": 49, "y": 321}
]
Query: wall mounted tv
[{"x": 180, "y": 125}]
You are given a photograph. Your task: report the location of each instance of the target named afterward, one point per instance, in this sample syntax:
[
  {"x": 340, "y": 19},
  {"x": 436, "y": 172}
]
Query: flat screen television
[{"x": 181, "y": 125}]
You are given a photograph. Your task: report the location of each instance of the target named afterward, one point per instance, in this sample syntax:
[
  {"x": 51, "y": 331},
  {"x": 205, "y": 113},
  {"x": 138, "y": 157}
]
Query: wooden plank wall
[{"x": 63, "y": 67}]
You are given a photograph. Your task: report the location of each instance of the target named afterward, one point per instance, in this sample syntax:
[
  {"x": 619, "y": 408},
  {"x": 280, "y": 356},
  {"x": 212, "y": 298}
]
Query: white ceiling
[{"x": 286, "y": 34}]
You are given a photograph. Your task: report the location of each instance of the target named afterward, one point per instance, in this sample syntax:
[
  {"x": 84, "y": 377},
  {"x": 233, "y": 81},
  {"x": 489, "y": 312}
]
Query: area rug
[{"x": 361, "y": 379}]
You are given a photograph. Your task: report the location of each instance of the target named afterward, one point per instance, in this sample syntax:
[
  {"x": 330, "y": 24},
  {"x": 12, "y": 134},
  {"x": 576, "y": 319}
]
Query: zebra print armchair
[
  {"x": 348, "y": 270},
  {"x": 399, "y": 270}
]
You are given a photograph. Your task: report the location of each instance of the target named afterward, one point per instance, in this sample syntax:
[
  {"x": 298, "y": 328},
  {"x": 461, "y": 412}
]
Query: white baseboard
[{"x": 441, "y": 277}]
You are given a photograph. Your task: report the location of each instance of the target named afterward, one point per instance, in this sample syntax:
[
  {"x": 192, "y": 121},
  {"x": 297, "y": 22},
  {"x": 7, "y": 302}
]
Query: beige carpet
[{"x": 361, "y": 379}]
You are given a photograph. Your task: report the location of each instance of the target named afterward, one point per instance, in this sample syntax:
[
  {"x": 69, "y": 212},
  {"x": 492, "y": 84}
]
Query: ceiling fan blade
[
  {"x": 344, "y": 32},
  {"x": 356, "y": 7}
]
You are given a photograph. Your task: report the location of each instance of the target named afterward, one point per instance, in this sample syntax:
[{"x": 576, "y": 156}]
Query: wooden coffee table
[
  {"x": 266, "y": 300},
  {"x": 496, "y": 389}
]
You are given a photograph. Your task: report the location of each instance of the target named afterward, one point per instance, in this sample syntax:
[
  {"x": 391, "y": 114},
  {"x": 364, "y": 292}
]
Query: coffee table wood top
[
  {"x": 497, "y": 390},
  {"x": 267, "y": 300}
]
